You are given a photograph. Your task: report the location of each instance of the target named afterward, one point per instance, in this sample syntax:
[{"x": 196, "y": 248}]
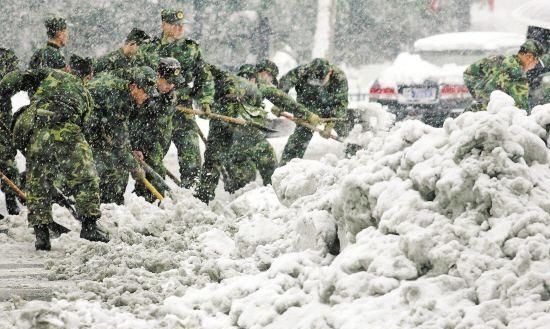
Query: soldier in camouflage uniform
[
  {"x": 266, "y": 80},
  {"x": 8, "y": 63},
  {"x": 231, "y": 93},
  {"x": 151, "y": 125},
  {"x": 506, "y": 73},
  {"x": 250, "y": 151},
  {"x": 51, "y": 55},
  {"x": 124, "y": 57},
  {"x": 239, "y": 151},
  {"x": 58, "y": 157},
  {"x": 198, "y": 85},
  {"x": 116, "y": 95},
  {"x": 323, "y": 89}
]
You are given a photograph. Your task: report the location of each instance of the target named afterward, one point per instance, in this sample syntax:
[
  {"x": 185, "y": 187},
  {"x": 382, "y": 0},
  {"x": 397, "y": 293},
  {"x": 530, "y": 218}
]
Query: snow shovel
[
  {"x": 284, "y": 127},
  {"x": 219, "y": 117},
  {"x": 304, "y": 123}
]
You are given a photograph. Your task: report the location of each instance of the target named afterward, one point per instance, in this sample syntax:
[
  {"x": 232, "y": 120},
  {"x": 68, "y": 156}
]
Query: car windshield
[{"x": 460, "y": 57}]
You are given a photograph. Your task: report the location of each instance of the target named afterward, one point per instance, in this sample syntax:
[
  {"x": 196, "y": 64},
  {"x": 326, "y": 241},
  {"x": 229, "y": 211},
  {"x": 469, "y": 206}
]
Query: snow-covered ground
[{"x": 438, "y": 228}]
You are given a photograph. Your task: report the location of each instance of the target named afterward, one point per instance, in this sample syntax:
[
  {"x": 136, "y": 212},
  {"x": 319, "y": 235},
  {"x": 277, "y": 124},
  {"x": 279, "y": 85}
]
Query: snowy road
[{"x": 22, "y": 273}]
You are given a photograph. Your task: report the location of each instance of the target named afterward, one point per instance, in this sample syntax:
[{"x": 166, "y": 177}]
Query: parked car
[{"x": 428, "y": 84}]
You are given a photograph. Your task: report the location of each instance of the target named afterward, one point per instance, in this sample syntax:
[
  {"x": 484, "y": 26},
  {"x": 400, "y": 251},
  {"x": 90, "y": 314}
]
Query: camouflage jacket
[
  {"x": 497, "y": 73},
  {"x": 330, "y": 100},
  {"x": 283, "y": 101},
  {"x": 63, "y": 94},
  {"x": 115, "y": 60},
  {"x": 50, "y": 56},
  {"x": 198, "y": 79},
  {"x": 9, "y": 86},
  {"x": 107, "y": 128},
  {"x": 151, "y": 125},
  {"x": 238, "y": 97},
  {"x": 57, "y": 100},
  {"x": 60, "y": 96}
]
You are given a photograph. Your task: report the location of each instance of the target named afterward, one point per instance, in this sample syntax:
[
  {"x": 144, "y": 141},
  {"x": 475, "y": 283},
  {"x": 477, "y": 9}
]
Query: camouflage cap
[
  {"x": 268, "y": 66},
  {"x": 532, "y": 46},
  {"x": 173, "y": 16},
  {"x": 320, "y": 67},
  {"x": 247, "y": 71},
  {"x": 81, "y": 66},
  {"x": 55, "y": 24},
  {"x": 138, "y": 36},
  {"x": 170, "y": 69},
  {"x": 144, "y": 77}
]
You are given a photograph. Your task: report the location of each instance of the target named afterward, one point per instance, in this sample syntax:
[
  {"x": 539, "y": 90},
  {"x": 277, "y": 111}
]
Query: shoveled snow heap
[{"x": 439, "y": 228}]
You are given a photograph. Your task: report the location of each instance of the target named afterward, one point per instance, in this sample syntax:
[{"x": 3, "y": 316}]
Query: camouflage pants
[
  {"x": 186, "y": 139},
  {"x": 113, "y": 174},
  {"x": 8, "y": 168},
  {"x": 217, "y": 148},
  {"x": 153, "y": 156},
  {"x": 299, "y": 140},
  {"x": 60, "y": 158},
  {"x": 250, "y": 152}
]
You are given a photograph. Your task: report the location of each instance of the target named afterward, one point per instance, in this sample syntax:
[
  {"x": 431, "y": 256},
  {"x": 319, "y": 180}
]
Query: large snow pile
[{"x": 438, "y": 228}]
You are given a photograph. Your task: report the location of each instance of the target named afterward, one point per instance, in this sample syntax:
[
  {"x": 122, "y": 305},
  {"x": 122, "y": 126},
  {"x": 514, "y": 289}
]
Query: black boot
[
  {"x": 11, "y": 204},
  {"x": 57, "y": 229},
  {"x": 42, "y": 235},
  {"x": 90, "y": 231}
]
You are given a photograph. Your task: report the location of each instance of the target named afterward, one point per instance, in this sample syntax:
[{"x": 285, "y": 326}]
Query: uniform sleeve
[
  {"x": 12, "y": 83},
  {"x": 47, "y": 58},
  {"x": 36, "y": 60},
  {"x": 203, "y": 86},
  {"x": 147, "y": 56},
  {"x": 86, "y": 114},
  {"x": 513, "y": 81},
  {"x": 289, "y": 80},
  {"x": 471, "y": 76},
  {"x": 283, "y": 101},
  {"x": 102, "y": 64},
  {"x": 339, "y": 93},
  {"x": 519, "y": 90}
]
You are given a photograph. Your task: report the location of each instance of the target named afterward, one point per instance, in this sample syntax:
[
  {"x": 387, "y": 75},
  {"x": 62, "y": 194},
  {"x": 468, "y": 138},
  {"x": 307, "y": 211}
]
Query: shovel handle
[
  {"x": 152, "y": 189},
  {"x": 14, "y": 187}
]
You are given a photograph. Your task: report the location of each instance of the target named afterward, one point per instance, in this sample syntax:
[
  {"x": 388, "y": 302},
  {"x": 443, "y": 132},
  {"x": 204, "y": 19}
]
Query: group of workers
[{"x": 92, "y": 121}]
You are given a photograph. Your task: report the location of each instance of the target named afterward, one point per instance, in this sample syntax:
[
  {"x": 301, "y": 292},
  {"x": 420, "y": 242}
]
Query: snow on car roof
[
  {"x": 535, "y": 13},
  {"x": 469, "y": 41},
  {"x": 412, "y": 69}
]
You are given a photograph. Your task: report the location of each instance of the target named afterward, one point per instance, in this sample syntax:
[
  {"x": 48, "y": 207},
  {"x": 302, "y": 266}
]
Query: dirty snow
[{"x": 438, "y": 227}]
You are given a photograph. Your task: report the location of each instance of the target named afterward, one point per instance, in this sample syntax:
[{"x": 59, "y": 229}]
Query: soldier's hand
[
  {"x": 314, "y": 119},
  {"x": 206, "y": 110},
  {"x": 276, "y": 111},
  {"x": 138, "y": 155},
  {"x": 138, "y": 173},
  {"x": 327, "y": 132}
]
